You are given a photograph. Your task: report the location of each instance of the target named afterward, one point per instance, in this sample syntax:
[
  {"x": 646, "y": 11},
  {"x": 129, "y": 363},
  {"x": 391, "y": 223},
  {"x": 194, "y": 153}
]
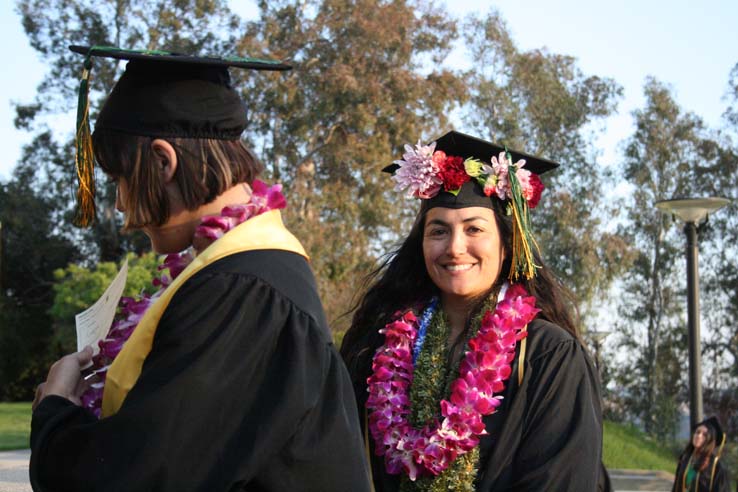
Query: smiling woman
[{"x": 466, "y": 360}]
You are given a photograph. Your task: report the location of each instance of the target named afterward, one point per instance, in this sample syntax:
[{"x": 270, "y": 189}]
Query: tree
[
  {"x": 542, "y": 103},
  {"x": 719, "y": 270},
  {"x": 26, "y": 350},
  {"x": 663, "y": 160},
  {"x": 361, "y": 88}
]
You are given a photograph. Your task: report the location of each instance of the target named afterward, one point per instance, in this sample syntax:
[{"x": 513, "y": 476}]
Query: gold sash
[{"x": 265, "y": 231}]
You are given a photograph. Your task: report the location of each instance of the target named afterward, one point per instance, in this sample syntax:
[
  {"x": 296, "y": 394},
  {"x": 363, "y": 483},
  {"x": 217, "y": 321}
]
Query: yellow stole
[{"x": 265, "y": 231}]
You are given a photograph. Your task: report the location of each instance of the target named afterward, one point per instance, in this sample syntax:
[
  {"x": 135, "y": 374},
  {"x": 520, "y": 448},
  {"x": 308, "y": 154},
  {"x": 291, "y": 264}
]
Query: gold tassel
[{"x": 84, "y": 156}]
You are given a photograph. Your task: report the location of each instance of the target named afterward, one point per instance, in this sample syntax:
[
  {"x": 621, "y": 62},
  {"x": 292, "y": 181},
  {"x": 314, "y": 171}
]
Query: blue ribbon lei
[{"x": 425, "y": 320}]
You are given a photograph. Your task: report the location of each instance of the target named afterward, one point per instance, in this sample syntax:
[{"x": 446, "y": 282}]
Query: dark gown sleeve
[
  {"x": 243, "y": 390},
  {"x": 721, "y": 482},
  {"x": 548, "y": 435},
  {"x": 679, "y": 473}
]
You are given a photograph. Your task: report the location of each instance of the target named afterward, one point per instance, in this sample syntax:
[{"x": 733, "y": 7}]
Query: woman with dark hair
[
  {"x": 467, "y": 364},
  {"x": 226, "y": 378},
  {"x": 699, "y": 468}
]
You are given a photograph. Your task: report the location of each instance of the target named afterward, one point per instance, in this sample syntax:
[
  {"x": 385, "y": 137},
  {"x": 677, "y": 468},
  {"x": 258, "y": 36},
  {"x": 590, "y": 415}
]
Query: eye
[
  {"x": 436, "y": 232},
  {"x": 473, "y": 229}
]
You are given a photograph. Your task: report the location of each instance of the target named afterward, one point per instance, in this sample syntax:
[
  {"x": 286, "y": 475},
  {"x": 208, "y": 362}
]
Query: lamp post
[
  {"x": 693, "y": 212},
  {"x": 597, "y": 337}
]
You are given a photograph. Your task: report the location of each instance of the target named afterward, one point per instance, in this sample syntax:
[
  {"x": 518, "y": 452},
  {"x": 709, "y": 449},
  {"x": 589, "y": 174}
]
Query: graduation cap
[
  {"x": 161, "y": 94},
  {"x": 459, "y": 171}
]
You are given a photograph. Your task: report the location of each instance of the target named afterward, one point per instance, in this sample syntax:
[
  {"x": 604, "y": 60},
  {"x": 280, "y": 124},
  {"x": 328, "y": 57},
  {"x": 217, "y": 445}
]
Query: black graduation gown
[
  {"x": 547, "y": 434},
  {"x": 243, "y": 390},
  {"x": 720, "y": 482}
]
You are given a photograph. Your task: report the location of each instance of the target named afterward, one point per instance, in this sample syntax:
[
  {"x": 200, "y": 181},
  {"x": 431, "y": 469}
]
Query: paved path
[
  {"x": 634, "y": 480},
  {"x": 14, "y": 471},
  {"x": 14, "y": 476}
]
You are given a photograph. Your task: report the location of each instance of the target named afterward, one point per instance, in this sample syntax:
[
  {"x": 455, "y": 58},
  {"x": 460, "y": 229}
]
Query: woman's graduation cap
[
  {"x": 459, "y": 171},
  {"x": 161, "y": 94}
]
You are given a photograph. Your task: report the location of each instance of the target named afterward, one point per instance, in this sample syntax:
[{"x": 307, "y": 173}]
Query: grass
[
  {"x": 627, "y": 447},
  {"x": 624, "y": 445},
  {"x": 15, "y": 425}
]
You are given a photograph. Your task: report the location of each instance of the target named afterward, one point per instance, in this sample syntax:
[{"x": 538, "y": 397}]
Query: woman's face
[
  {"x": 462, "y": 251},
  {"x": 699, "y": 437}
]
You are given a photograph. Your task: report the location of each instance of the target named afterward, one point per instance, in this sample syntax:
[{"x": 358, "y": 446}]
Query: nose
[{"x": 456, "y": 244}]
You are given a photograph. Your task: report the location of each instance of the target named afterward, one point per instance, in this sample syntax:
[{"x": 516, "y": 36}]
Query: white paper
[{"x": 94, "y": 322}]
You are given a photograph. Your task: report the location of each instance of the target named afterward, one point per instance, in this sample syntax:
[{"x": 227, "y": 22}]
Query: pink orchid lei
[
  {"x": 132, "y": 309},
  {"x": 424, "y": 172},
  {"x": 482, "y": 375}
]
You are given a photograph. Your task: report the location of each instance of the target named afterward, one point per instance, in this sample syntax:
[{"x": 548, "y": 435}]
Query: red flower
[
  {"x": 452, "y": 173},
  {"x": 537, "y": 189}
]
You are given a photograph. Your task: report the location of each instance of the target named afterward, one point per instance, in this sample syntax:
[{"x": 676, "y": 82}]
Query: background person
[
  {"x": 699, "y": 468},
  {"x": 466, "y": 360},
  {"x": 228, "y": 379}
]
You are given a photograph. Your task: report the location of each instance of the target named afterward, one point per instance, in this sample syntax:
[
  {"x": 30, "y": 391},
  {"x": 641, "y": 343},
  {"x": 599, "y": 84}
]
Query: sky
[{"x": 689, "y": 45}]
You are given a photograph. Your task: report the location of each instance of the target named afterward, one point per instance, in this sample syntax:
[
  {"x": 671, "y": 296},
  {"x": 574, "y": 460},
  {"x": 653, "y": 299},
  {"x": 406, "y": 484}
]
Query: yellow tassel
[{"x": 84, "y": 156}]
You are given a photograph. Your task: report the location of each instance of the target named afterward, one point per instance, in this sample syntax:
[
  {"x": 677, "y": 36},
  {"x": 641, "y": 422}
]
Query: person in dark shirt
[
  {"x": 468, "y": 368},
  {"x": 226, "y": 379}
]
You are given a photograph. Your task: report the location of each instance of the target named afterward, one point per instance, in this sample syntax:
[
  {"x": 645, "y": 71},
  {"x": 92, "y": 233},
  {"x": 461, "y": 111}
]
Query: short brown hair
[{"x": 205, "y": 168}]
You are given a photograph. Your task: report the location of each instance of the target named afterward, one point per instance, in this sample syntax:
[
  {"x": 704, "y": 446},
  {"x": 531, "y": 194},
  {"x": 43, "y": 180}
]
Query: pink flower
[
  {"x": 418, "y": 172},
  {"x": 500, "y": 166},
  {"x": 266, "y": 197}
]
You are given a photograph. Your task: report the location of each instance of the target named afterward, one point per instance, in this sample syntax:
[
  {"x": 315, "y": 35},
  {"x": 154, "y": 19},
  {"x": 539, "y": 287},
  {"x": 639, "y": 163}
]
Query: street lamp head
[
  {"x": 692, "y": 210},
  {"x": 597, "y": 336}
]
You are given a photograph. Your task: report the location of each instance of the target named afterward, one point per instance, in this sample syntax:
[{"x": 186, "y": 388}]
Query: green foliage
[
  {"x": 78, "y": 287},
  {"x": 15, "y": 425},
  {"x": 624, "y": 446},
  {"x": 663, "y": 159},
  {"x": 542, "y": 103},
  {"x": 30, "y": 249}
]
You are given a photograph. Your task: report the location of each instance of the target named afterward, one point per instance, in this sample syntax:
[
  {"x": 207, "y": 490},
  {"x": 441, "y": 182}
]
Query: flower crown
[{"x": 424, "y": 172}]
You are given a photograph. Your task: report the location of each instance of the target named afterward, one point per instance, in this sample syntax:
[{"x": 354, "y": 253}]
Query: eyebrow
[{"x": 468, "y": 219}]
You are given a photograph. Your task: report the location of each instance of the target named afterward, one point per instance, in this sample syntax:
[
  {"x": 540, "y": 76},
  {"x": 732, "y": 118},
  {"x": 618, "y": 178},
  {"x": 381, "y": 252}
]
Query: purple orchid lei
[
  {"x": 482, "y": 375},
  {"x": 131, "y": 309}
]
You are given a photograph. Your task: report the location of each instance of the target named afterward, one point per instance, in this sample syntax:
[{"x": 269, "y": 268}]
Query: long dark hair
[
  {"x": 704, "y": 452},
  {"x": 401, "y": 281}
]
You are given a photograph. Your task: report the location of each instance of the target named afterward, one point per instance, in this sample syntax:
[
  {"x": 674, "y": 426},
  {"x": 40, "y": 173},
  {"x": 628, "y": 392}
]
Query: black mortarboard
[{"x": 161, "y": 94}]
